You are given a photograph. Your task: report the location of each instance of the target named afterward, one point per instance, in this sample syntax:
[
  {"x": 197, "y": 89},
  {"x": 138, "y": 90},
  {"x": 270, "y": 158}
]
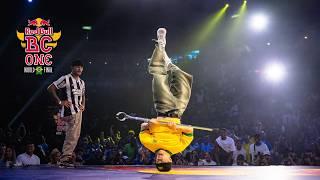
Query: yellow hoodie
[{"x": 160, "y": 136}]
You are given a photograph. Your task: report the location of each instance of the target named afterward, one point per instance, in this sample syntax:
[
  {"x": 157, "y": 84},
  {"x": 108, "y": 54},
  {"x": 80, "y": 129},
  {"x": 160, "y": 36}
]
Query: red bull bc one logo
[{"x": 38, "y": 40}]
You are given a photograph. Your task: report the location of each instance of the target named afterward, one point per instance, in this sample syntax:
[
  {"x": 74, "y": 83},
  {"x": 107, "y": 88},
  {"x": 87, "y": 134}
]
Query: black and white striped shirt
[{"x": 73, "y": 91}]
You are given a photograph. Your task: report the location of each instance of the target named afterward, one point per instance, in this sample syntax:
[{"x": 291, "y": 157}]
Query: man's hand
[
  {"x": 172, "y": 125},
  {"x": 66, "y": 104},
  {"x": 153, "y": 122},
  {"x": 187, "y": 130},
  {"x": 144, "y": 126},
  {"x": 82, "y": 108}
]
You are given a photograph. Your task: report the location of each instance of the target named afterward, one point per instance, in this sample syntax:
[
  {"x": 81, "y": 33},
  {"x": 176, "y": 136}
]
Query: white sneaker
[{"x": 161, "y": 34}]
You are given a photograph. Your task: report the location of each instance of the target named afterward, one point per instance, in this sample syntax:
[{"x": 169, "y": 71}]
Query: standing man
[
  {"x": 171, "y": 89},
  {"x": 72, "y": 103}
]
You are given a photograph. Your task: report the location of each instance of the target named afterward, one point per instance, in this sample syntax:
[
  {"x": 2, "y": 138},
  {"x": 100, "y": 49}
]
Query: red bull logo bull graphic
[{"x": 38, "y": 40}]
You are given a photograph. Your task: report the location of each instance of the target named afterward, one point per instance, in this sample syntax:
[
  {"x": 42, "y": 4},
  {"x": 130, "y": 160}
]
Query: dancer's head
[
  {"x": 77, "y": 68},
  {"x": 163, "y": 160}
]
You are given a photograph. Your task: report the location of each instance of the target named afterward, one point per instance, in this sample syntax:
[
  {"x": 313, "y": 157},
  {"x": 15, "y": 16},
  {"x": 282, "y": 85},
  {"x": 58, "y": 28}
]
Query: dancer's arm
[
  {"x": 186, "y": 130},
  {"x": 152, "y": 122},
  {"x": 183, "y": 129}
]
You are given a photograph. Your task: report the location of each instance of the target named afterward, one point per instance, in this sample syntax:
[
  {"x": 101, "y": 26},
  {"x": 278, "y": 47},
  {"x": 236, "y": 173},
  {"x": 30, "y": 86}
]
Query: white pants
[{"x": 73, "y": 129}]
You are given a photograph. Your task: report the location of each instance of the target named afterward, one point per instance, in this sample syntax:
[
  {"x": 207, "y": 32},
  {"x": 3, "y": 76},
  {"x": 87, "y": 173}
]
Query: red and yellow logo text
[{"x": 38, "y": 40}]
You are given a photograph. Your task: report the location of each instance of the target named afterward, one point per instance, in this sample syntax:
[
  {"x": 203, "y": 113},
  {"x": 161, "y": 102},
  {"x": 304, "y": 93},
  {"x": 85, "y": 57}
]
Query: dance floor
[{"x": 149, "y": 172}]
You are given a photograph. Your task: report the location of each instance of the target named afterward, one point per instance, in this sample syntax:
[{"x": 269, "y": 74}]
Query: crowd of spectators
[{"x": 219, "y": 148}]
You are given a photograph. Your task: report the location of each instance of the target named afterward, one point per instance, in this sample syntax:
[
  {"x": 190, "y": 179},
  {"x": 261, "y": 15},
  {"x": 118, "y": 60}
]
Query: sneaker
[
  {"x": 161, "y": 35},
  {"x": 66, "y": 161},
  {"x": 66, "y": 164}
]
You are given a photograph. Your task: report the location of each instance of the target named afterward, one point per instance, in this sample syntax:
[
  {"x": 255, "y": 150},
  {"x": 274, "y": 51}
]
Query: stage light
[
  {"x": 234, "y": 16},
  {"x": 258, "y": 22},
  {"x": 305, "y": 37},
  {"x": 237, "y": 22},
  {"x": 30, "y": 1},
  {"x": 209, "y": 27},
  {"x": 193, "y": 54},
  {"x": 88, "y": 28},
  {"x": 268, "y": 43},
  {"x": 275, "y": 72}
]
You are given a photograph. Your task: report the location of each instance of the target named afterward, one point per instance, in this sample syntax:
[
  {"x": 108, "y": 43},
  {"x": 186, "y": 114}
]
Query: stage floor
[{"x": 149, "y": 172}]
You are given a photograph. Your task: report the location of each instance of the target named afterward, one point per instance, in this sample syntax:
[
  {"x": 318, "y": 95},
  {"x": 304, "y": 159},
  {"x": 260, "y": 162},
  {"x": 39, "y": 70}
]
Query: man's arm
[
  {"x": 83, "y": 104},
  {"x": 216, "y": 153},
  {"x": 251, "y": 151},
  {"x": 53, "y": 91},
  {"x": 19, "y": 160},
  {"x": 266, "y": 150},
  {"x": 186, "y": 130},
  {"x": 171, "y": 125},
  {"x": 84, "y": 100},
  {"x": 183, "y": 129},
  {"x": 233, "y": 149},
  {"x": 38, "y": 160}
]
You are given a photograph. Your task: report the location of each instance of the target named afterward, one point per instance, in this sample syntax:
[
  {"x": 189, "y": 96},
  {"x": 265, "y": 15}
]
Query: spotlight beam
[
  {"x": 209, "y": 27},
  {"x": 238, "y": 20}
]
